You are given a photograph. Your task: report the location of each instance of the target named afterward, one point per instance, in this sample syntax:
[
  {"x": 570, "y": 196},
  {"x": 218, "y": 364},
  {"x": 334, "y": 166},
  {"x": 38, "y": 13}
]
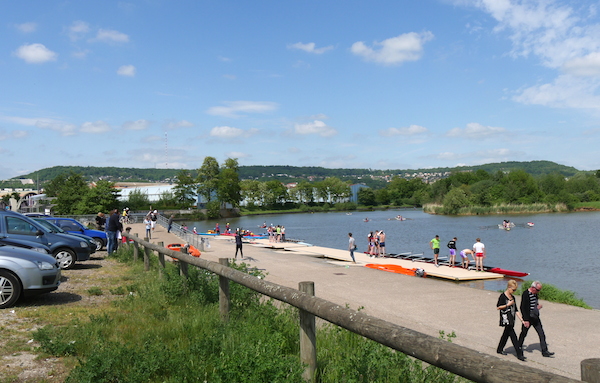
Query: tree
[
  {"x": 101, "y": 198},
  {"x": 208, "y": 178},
  {"x": 138, "y": 200},
  {"x": 455, "y": 199},
  {"x": 366, "y": 196},
  {"x": 185, "y": 189},
  {"x": 275, "y": 193},
  {"x": 305, "y": 191},
  {"x": 229, "y": 189},
  {"x": 71, "y": 192},
  {"x": 252, "y": 191}
]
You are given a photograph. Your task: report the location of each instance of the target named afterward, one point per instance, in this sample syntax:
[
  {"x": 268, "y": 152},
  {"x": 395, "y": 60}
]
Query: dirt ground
[{"x": 18, "y": 360}]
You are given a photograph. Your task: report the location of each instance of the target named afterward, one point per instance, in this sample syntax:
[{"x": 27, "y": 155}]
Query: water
[{"x": 561, "y": 249}]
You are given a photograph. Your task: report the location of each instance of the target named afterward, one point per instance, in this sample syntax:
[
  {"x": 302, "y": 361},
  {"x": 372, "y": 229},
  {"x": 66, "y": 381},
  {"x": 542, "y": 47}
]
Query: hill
[{"x": 288, "y": 173}]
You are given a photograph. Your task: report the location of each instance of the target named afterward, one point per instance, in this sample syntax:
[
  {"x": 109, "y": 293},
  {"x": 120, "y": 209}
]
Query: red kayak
[{"x": 510, "y": 273}]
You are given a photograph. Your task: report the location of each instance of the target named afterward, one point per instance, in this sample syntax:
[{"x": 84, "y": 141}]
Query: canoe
[{"x": 178, "y": 246}]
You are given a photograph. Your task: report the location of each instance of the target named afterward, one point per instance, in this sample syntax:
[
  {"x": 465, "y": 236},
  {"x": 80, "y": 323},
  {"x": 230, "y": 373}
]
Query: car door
[{"x": 18, "y": 228}]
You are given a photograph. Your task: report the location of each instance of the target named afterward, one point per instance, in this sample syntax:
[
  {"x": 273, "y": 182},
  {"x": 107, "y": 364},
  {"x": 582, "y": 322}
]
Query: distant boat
[{"x": 366, "y": 220}]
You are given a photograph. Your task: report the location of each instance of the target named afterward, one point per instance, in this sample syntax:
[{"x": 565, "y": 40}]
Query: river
[{"x": 560, "y": 249}]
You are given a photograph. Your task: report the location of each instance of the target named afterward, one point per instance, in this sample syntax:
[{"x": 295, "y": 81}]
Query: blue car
[{"x": 71, "y": 225}]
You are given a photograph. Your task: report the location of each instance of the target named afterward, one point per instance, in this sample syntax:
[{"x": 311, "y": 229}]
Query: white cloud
[
  {"x": 234, "y": 109},
  {"x": 237, "y": 155},
  {"x": 412, "y": 130},
  {"x": 564, "y": 92},
  {"x": 35, "y": 54},
  {"x": 583, "y": 66},
  {"x": 27, "y": 27},
  {"x": 111, "y": 36},
  {"x": 126, "y": 70},
  {"x": 81, "y": 54},
  {"x": 136, "y": 125},
  {"x": 476, "y": 131},
  {"x": 95, "y": 127},
  {"x": 395, "y": 50},
  {"x": 310, "y": 48},
  {"x": 230, "y": 132},
  {"x": 78, "y": 30},
  {"x": 315, "y": 127},
  {"x": 63, "y": 128},
  {"x": 177, "y": 124}
]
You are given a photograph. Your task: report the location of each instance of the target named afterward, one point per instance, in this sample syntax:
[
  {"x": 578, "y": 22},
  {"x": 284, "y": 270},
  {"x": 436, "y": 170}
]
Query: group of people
[
  {"x": 529, "y": 317},
  {"x": 150, "y": 222},
  {"x": 376, "y": 243},
  {"x": 276, "y": 233},
  {"x": 477, "y": 253}
]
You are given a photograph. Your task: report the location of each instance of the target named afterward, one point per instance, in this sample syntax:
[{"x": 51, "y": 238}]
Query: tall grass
[
  {"x": 552, "y": 293},
  {"x": 169, "y": 330},
  {"x": 433, "y": 208}
]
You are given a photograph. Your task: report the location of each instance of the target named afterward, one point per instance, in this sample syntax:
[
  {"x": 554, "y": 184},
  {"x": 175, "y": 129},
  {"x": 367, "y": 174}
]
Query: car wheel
[
  {"x": 10, "y": 289},
  {"x": 66, "y": 258},
  {"x": 99, "y": 243}
]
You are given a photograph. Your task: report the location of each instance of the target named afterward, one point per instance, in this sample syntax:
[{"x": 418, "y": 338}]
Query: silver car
[{"x": 24, "y": 273}]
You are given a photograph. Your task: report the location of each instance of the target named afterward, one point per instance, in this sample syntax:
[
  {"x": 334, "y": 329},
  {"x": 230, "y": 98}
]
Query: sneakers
[{"x": 547, "y": 354}]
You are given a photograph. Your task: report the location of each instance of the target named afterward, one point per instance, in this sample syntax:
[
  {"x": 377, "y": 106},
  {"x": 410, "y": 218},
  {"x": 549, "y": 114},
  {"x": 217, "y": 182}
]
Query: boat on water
[{"x": 422, "y": 258}]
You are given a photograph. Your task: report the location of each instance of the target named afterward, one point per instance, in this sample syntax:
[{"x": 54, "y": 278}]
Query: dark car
[
  {"x": 66, "y": 248},
  {"x": 24, "y": 273},
  {"x": 71, "y": 225},
  {"x": 55, "y": 229}
]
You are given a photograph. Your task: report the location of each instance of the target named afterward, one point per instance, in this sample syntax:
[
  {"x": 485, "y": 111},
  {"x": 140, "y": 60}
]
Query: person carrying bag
[{"x": 508, "y": 311}]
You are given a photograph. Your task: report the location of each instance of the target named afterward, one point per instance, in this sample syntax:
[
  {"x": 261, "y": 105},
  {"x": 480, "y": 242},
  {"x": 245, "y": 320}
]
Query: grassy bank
[
  {"x": 497, "y": 209},
  {"x": 168, "y": 330},
  {"x": 552, "y": 293}
]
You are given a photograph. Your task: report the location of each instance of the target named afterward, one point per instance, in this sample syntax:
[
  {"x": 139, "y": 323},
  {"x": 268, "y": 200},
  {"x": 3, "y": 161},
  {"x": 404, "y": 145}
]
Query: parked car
[
  {"x": 55, "y": 229},
  {"x": 71, "y": 225},
  {"x": 66, "y": 248},
  {"x": 43, "y": 249},
  {"x": 24, "y": 273}
]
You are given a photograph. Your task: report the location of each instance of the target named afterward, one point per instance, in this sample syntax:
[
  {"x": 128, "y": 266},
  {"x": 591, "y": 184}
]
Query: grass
[
  {"x": 552, "y": 293},
  {"x": 169, "y": 330},
  {"x": 498, "y": 209}
]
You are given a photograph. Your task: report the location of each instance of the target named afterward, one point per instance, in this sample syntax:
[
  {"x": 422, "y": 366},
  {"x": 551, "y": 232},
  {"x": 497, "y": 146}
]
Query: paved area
[{"x": 426, "y": 305}]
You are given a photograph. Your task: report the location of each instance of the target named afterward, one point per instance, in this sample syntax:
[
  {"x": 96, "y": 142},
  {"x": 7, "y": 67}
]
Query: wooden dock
[{"x": 342, "y": 257}]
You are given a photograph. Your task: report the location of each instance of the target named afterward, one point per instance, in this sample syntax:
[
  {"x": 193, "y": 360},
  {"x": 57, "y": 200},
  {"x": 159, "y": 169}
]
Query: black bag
[{"x": 505, "y": 317}]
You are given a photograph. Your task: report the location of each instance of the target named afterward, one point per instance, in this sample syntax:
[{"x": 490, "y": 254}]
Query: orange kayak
[
  {"x": 392, "y": 268},
  {"x": 178, "y": 246}
]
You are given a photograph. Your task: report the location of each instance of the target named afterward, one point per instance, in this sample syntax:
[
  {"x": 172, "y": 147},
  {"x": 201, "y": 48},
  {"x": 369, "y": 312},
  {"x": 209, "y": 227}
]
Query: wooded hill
[{"x": 288, "y": 173}]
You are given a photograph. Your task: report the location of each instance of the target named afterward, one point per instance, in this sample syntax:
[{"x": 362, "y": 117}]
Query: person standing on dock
[
  {"x": 452, "y": 248},
  {"x": 530, "y": 309},
  {"x": 464, "y": 254},
  {"x": 479, "y": 250},
  {"x": 351, "y": 246},
  {"x": 434, "y": 244},
  {"x": 381, "y": 243}
]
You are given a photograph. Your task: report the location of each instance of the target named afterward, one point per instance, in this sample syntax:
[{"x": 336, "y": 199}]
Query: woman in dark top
[
  {"x": 238, "y": 243},
  {"x": 508, "y": 310}
]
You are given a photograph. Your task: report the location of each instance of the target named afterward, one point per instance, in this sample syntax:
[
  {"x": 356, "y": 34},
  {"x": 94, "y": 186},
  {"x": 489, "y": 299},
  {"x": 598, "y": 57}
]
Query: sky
[{"x": 398, "y": 84}]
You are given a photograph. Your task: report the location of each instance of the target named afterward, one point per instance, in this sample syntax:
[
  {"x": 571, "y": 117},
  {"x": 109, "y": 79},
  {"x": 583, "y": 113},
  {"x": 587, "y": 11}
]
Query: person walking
[
  {"x": 434, "y": 244},
  {"x": 238, "y": 243},
  {"x": 507, "y": 307},
  {"x": 170, "y": 223},
  {"x": 479, "y": 250},
  {"x": 351, "y": 246},
  {"x": 530, "y": 309}
]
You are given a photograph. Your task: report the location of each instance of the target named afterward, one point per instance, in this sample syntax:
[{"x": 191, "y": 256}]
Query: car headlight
[
  {"x": 44, "y": 265},
  {"x": 83, "y": 244},
  {"x": 40, "y": 250}
]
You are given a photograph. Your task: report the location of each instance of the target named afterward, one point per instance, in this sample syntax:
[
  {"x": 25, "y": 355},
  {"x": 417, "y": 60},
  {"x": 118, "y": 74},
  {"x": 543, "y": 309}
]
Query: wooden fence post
[
  {"x": 147, "y": 251},
  {"x": 590, "y": 370},
  {"x": 308, "y": 336},
  {"x": 183, "y": 266},
  {"x": 136, "y": 250},
  {"x": 224, "y": 297},
  {"x": 161, "y": 260}
]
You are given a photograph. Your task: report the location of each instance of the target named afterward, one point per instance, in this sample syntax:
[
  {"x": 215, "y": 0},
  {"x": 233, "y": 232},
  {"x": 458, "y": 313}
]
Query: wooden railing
[{"x": 459, "y": 360}]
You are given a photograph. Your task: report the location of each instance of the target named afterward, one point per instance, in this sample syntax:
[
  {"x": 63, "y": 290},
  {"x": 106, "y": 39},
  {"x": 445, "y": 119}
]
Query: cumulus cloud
[
  {"x": 231, "y": 132},
  {"x": 564, "y": 92},
  {"x": 27, "y": 27},
  {"x": 476, "y": 131},
  {"x": 412, "y": 130},
  {"x": 95, "y": 127},
  {"x": 35, "y": 54},
  {"x": 136, "y": 125},
  {"x": 78, "y": 30},
  {"x": 586, "y": 66},
  {"x": 235, "y": 109},
  {"x": 111, "y": 36},
  {"x": 126, "y": 70},
  {"x": 395, "y": 50},
  {"x": 316, "y": 127},
  {"x": 310, "y": 48},
  {"x": 172, "y": 125}
]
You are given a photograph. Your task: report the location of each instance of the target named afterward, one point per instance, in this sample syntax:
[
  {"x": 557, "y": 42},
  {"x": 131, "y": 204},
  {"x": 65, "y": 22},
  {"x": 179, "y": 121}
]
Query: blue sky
[{"x": 367, "y": 84}]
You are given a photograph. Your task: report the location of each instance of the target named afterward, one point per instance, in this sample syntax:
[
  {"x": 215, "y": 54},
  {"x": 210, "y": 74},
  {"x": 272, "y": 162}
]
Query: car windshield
[{"x": 49, "y": 225}]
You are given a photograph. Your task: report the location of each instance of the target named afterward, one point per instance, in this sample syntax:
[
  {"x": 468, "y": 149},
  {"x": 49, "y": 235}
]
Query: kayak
[
  {"x": 392, "y": 268},
  {"x": 178, "y": 246}
]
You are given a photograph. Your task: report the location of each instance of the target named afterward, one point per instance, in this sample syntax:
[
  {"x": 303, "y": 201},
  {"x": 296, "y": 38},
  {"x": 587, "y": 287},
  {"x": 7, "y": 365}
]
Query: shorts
[
  {"x": 381, "y": 244},
  {"x": 452, "y": 251},
  {"x": 463, "y": 255},
  {"x": 479, "y": 255},
  {"x": 436, "y": 251}
]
